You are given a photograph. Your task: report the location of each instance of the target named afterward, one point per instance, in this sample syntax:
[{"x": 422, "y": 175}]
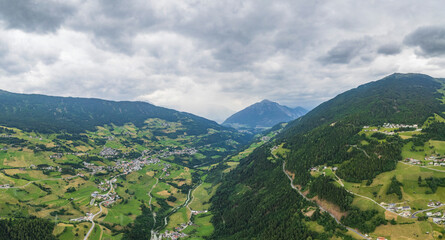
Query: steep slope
[
  {"x": 326, "y": 135},
  {"x": 53, "y": 114},
  {"x": 263, "y": 114}
]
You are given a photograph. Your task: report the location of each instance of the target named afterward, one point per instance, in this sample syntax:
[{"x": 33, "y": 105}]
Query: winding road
[
  {"x": 191, "y": 200},
  {"x": 299, "y": 192},
  {"x": 92, "y": 221}
]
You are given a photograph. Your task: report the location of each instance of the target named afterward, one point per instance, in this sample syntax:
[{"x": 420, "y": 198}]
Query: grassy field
[{"x": 413, "y": 194}]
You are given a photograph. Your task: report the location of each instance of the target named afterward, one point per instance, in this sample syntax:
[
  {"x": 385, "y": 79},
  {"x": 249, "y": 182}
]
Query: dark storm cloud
[
  {"x": 345, "y": 51},
  {"x": 389, "y": 49},
  {"x": 34, "y": 15},
  {"x": 430, "y": 40}
]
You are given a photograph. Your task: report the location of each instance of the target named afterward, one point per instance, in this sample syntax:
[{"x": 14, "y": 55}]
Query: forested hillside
[
  {"x": 328, "y": 136},
  {"x": 74, "y": 115}
]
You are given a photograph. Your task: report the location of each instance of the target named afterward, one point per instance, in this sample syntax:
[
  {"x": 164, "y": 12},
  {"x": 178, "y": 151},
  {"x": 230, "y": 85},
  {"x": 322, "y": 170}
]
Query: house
[
  {"x": 438, "y": 220},
  {"x": 436, "y": 214}
]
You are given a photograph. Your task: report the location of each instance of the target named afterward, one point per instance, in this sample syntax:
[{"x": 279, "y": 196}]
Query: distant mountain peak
[{"x": 263, "y": 114}]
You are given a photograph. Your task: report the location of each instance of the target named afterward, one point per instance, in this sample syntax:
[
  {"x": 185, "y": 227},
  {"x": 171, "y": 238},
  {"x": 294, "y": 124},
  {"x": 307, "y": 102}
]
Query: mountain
[
  {"x": 361, "y": 135},
  {"x": 42, "y": 113},
  {"x": 263, "y": 114}
]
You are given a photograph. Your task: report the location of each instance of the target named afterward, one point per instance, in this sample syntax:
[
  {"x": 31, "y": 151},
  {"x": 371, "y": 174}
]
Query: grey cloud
[
  {"x": 114, "y": 23},
  {"x": 34, "y": 15},
  {"x": 430, "y": 40},
  {"x": 345, "y": 51},
  {"x": 390, "y": 49},
  {"x": 193, "y": 55}
]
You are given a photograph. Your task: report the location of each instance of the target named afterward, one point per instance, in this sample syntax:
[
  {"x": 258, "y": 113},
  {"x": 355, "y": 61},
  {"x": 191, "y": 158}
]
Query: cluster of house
[
  {"x": 413, "y": 161},
  {"x": 104, "y": 186},
  {"x": 6, "y": 136},
  {"x": 56, "y": 156},
  {"x": 108, "y": 198},
  {"x": 431, "y": 160},
  {"x": 434, "y": 204},
  {"x": 265, "y": 138},
  {"x": 109, "y": 152},
  {"x": 177, "y": 234},
  {"x": 185, "y": 151},
  {"x": 316, "y": 169},
  {"x": 93, "y": 168},
  {"x": 84, "y": 218},
  {"x": 50, "y": 168},
  {"x": 5, "y": 186},
  {"x": 36, "y": 137},
  {"x": 135, "y": 165},
  {"x": 438, "y": 217},
  {"x": 404, "y": 211},
  {"x": 393, "y": 126}
]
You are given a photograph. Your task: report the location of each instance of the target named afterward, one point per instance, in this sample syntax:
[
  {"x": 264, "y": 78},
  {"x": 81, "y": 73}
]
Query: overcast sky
[{"x": 213, "y": 58}]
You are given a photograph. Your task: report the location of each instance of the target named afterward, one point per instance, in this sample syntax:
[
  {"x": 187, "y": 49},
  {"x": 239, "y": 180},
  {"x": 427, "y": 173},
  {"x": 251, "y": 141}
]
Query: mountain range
[{"x": 264, "y": 114}]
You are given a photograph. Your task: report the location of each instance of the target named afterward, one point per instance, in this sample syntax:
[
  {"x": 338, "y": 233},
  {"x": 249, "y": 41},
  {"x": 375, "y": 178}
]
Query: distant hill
[
  {"x": 263, "y": 114},
  {"x": 42, "y": 113}
]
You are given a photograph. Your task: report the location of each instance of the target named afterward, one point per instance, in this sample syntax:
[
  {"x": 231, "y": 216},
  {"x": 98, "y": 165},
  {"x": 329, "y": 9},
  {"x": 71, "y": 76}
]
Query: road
[
  {"x": 432, "y": 169},
  {"x": 299, "y": 192},
  {"x": 153, "y": 232},
  {"x": 92, "y": 221},
  {"x": 48, "y": 179},
  {"x": 340, "y": 181},
  {"x": 361, "y": 150},
  {"x": 429, "y": 209},
  {"x": 191, "y": 200}
]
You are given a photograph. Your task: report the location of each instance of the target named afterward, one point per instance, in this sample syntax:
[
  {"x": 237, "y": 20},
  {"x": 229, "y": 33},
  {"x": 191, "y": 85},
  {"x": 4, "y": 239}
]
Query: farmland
[{"x": 113, "y": 171}]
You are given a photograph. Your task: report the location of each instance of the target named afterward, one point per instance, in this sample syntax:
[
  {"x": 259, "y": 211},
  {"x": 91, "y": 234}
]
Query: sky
[{"x": 213, "y": 58}]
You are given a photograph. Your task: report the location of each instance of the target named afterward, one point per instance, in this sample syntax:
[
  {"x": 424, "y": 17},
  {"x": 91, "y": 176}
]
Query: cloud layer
[{"x": 212, "y": 58}]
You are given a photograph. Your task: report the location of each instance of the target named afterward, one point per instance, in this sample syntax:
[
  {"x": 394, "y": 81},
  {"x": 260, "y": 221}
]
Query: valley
[
  {"x": 96, "y": 185},
  {"x": 356, "y": 167}
]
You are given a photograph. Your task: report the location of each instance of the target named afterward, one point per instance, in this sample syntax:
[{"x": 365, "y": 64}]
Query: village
[{"x": 414, "y": 127}]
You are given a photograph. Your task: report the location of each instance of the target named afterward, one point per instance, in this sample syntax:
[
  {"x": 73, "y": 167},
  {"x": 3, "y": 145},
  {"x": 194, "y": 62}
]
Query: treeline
[
  {"x": 325, "y": 189},
  {"x": 26, "y": 229}
]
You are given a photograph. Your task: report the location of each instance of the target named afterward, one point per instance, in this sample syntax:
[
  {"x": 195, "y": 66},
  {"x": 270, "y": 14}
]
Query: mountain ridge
[{"x": 76, "y": 114}]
